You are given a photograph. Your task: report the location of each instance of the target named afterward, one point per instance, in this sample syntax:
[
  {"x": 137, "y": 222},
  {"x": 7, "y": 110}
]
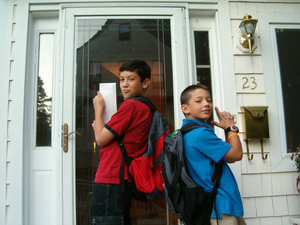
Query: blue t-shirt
[{"x": 201, "y": 148}]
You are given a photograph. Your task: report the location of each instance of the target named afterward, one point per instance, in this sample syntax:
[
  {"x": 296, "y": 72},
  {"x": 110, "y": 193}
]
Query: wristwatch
[{"x": 232, "y": 128}]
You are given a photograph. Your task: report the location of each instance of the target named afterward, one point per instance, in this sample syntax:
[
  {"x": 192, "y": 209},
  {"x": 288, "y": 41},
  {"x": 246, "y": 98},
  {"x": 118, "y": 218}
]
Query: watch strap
[{"x": 227, "y": 130}]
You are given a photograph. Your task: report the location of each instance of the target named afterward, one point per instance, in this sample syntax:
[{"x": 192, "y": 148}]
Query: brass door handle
[{"x": 65, "y": 136}]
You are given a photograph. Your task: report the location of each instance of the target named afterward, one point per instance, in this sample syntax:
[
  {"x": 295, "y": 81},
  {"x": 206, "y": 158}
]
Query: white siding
[
  {"x": 13, "y": 51},
  {"x": 5, "y": 109},
  {"x": 268, "y": 197},
  {"x": 3, "y": 116}
]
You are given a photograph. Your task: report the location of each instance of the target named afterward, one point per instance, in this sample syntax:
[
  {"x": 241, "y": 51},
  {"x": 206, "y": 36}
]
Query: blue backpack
[{"x": 188, "y": 200}]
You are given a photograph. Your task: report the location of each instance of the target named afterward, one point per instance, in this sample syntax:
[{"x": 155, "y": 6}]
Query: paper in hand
[{"x": 108, "y": 92}]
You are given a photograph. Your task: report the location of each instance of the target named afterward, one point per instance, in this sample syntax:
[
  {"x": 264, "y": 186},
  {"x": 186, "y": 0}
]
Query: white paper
[{"x": 108, "y": 92}]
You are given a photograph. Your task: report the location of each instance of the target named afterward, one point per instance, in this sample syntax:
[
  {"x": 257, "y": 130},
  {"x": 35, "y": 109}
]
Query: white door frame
[
  {"x": 176, "y": 16},
  {"x": 268, "y": 22},
  {"x": 200, "y": 21},
  {"x": 41, "y": 164}
]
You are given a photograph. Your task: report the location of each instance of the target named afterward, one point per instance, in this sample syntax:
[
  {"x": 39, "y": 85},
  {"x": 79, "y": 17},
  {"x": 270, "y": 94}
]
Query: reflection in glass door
[
  {"x": 288, "y": 56},
  {"x": 102, "y": 46}
]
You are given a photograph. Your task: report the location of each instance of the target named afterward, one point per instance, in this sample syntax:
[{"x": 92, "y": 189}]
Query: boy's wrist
[
  {"x": 98, "y": 109},
  {"x": 232, "y": 128}
]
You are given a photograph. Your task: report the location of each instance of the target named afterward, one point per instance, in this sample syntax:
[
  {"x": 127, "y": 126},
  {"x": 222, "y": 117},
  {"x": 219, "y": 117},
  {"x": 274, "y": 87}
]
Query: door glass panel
[
  {"x": 44, "y": 89},
  {"x": 203, "y": 61},
  {"x": 101, "y": 48},
  {"x": 289, "y": 55},
  {"x": 203, "y": 58}
]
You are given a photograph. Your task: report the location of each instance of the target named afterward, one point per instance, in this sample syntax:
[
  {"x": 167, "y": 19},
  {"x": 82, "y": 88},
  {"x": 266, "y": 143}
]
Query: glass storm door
[
  {"x": 93, "y": 56},
  {"x": 102, "y": 46}
]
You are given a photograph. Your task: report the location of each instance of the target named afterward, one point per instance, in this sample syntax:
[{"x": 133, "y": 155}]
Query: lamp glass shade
[
  {"x": 242, "y": 27},
  {"x": 250, "y": 28}
]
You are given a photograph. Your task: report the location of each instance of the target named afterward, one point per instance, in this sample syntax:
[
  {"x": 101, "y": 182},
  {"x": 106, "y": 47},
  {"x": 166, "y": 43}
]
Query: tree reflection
[{"x": 44, "y": 112}]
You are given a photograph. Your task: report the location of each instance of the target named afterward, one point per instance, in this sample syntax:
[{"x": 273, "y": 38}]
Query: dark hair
[
  {"x": 138, "y": 66},
  {"x": 185, "y": 94}
]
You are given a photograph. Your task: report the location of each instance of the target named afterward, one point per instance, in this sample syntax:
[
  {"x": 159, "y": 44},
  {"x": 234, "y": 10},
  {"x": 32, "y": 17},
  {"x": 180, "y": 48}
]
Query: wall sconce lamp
[{"x": 247, "y": 27}]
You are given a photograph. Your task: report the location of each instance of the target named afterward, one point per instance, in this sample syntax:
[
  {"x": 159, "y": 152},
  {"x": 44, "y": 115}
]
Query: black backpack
[{"x": 188, "y": 200}]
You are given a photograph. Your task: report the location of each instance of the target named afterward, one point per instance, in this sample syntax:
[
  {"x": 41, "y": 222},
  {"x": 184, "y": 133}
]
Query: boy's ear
[
  {"x": 146, "y": 83},
  {"x": 185, "y": 109}
]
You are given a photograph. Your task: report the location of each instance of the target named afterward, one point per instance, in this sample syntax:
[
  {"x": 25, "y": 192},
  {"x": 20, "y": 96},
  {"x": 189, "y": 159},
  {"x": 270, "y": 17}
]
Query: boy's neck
[{"x": 203, "y": 121}]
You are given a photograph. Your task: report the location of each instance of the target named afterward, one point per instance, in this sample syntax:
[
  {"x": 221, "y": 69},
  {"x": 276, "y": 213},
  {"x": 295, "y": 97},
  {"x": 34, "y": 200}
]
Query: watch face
[{"x": 234, "y": 127}]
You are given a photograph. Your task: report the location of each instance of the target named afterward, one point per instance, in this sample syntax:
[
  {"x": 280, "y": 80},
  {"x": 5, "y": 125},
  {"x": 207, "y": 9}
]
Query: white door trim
[
  {"x": 176, "y": 16},
  {"x": 280, "y": 159},
  {"x": 41, "y": 164}
]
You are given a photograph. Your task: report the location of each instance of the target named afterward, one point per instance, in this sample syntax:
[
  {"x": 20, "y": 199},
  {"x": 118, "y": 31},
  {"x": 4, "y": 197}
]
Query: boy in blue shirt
[{"x": 202, "y": 147}]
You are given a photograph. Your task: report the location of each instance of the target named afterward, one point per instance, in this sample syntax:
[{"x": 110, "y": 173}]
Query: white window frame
[
  {"x": 208, "y": 22},
  {"x": 268, "y": 22}
]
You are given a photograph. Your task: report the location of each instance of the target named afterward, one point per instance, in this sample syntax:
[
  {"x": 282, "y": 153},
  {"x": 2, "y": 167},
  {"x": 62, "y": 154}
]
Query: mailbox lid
[{"x": 256, "y": 111}]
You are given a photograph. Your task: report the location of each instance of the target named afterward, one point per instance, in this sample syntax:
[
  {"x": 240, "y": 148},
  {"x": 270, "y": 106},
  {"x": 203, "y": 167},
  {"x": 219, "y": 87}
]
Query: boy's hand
[
  {"x": 102, "y": 135},
  {"x": 225, "y": 119},
  {"x": 98, "y": 101}
]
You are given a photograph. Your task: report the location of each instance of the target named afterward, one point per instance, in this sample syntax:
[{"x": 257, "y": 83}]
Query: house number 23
[{"x": 252, "y": 83}]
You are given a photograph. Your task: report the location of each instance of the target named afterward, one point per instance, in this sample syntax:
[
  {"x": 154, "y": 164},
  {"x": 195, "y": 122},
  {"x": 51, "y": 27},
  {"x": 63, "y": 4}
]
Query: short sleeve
[
  {"x": 131, "y": 119},
  {"x": 121, "y": 120},
  {"x": 212, "y": 146}
]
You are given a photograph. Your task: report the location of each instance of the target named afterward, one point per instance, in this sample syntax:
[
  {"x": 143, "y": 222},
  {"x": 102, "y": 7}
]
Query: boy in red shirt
[{"x": 133, "y": 120}]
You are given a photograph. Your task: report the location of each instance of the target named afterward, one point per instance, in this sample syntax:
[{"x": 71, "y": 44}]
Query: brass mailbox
[
  {"x": 256, "y": 126},
  {"x": 255, "y": 122}
]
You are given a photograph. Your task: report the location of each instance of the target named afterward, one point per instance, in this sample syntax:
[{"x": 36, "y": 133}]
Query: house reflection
[{"x": 103, "y": 46}]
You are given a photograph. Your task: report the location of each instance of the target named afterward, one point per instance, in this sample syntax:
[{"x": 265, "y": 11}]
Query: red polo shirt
[{"x": 133, "y": 119}]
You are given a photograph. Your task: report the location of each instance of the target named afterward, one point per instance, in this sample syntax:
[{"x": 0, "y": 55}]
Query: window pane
[
  {"x": 44, "y": 90},
  {"x": 102, "y": 47},
  {"x": 202, "y": 48},
  {"x": 204, "y": 77},
  {"x": 203, "y": 59},
  {"x": 289, "y": 55}
]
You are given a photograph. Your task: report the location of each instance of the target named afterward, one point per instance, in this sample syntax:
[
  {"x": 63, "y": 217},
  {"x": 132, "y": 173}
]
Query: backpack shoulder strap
[
  {"x": 123, "y": 150},
  {"x": 127, "y": 161},
  {"x": 188, "y": 127},
  {"x": 145, "y": 100},
  {"x": 216, "y": 177}
]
